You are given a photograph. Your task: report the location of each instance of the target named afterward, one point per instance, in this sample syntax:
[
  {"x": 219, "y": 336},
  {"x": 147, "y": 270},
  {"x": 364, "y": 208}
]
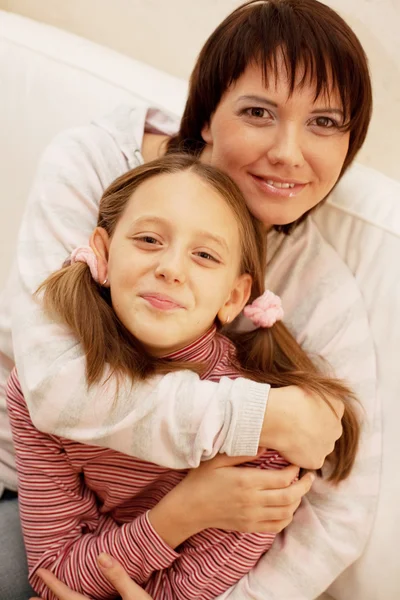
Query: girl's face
[
  {"x": 285, "y": 152},
  {"x": 173, "y": 262}
]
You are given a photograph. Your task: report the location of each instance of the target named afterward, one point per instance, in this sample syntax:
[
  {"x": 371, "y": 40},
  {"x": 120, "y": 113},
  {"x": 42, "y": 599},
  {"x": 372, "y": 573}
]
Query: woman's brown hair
[
  {"x": 317, "y": 45},
  {"x": 272, "y": 355}
]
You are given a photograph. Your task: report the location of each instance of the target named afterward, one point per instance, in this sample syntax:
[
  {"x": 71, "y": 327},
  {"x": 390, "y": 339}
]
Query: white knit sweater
[{"x": 323, "y": 308}]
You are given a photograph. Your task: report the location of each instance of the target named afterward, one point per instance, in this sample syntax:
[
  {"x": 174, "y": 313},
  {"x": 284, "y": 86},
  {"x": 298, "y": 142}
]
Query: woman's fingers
[{"x": 119, "y": 578}]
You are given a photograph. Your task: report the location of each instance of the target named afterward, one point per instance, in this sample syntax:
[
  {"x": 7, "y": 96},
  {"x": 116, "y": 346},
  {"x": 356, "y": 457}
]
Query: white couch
[{"x": 51, "y": 80}]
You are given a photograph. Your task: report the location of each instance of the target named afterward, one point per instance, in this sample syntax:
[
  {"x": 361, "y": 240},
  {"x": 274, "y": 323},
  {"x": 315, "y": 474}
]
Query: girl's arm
[
  {"x": 112, "y": 571},
  {"x": 176, "y": 420},
  {"x": 64, "y": 529}
]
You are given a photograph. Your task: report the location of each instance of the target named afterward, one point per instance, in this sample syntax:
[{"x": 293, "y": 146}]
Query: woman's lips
[
  {"x": 278, "y": 192},
  {"x": 161, "y": 302}
]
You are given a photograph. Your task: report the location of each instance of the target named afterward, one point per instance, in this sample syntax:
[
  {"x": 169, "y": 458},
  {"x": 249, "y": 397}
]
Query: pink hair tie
[
  {"x": 265, "y": 310},
  {"x": 86, "y": 255}
]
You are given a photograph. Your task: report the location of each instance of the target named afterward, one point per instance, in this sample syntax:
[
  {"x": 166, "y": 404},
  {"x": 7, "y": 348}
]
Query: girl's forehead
[{"x": 181, "y": 198}]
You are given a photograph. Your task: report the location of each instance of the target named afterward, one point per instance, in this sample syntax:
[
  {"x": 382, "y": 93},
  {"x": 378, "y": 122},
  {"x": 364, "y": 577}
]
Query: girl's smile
[
  {"x": 173, "y": 261},
  {"x": 161, "y": 301}
]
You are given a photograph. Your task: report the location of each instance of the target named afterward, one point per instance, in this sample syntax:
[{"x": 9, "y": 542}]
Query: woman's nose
[{"x": 286, "y": 147}]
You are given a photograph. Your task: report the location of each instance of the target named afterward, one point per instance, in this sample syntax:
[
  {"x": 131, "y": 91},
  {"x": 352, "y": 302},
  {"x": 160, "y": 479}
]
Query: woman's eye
[
  {"x": 325, "y": 122},
  {"x": 257, "y": 112}
]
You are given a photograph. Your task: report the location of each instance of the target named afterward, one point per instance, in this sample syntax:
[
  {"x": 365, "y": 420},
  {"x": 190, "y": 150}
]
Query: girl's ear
[
  {"x": 100, "y": 243},
  {"x": 237, "y": 300}
]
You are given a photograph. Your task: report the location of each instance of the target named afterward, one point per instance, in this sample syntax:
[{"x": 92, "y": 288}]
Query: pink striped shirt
[{"x": 78, "y": 500}]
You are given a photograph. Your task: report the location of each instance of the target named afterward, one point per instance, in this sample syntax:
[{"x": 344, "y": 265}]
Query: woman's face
[
  {"x": 174, "y": 261},
  {"x": 284, "y": 151}
]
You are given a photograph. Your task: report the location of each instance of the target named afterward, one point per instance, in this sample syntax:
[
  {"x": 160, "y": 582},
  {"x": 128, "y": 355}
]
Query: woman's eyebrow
[
  {"x": 258, "y": 99},
  {"x": 328, "y": 109},
  {"x": 262, "y": 100}
]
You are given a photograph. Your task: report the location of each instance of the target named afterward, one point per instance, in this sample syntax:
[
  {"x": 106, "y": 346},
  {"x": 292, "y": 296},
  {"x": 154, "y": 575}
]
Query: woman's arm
[
  {"x": 332, "y": 526},
  {"x": 197, "y": 418}
]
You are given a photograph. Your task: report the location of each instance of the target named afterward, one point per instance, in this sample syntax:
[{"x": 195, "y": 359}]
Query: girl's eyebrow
[
  {"x": 201, "y": 233},
  {"x": 149, "y": 219},
  {"x": 214, "y": 238}
]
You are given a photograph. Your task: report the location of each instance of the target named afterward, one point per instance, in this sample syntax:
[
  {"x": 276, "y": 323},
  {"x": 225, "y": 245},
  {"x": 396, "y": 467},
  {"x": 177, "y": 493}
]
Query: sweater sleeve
[
  {"x": 176, "y": 420},
  {"x": 332, "y": 526},
  {"x": 64, "y": 529}
]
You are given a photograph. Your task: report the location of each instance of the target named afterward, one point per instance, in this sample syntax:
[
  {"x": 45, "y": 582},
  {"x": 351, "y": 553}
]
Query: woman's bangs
[{"x": 270, "y": 38}]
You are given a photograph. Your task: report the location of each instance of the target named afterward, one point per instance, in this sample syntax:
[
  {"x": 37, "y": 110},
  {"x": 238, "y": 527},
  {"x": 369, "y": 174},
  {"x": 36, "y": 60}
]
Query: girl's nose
[{"x": 171, "y": 268}]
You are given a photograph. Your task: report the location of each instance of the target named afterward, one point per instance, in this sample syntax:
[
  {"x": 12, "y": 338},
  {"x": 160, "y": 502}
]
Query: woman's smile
[
  {"x": 282, "y": 147},
  {"x": 277, "y": 188}
]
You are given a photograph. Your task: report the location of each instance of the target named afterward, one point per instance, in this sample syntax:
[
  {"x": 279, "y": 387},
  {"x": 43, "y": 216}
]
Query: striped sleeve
[
  {"x": 213, "y": 559},
  {"x": 72, "y": 532}
]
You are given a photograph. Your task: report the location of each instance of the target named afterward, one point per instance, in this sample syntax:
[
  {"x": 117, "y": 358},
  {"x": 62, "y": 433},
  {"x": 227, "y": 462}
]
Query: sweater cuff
[
  {"x": 250, "y": 418},
  {"x": 156, "y": 553}
]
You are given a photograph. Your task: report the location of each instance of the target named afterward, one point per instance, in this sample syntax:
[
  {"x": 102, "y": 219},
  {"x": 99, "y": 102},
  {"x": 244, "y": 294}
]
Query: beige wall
[{"x": 169, "y": 33}]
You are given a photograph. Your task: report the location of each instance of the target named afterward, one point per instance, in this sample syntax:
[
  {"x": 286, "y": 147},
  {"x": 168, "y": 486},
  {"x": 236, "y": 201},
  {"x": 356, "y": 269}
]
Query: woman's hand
[
  {"x": 217, "y": 494},
  {"x": 301, "y": 426},
  {"x": 111, "y": 569}
]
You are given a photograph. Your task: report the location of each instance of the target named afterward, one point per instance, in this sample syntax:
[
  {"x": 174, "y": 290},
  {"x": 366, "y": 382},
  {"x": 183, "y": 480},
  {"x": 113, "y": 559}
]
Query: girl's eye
[
  {"x": 207, "y": 256},
  {"x": 147, "y": 239}
]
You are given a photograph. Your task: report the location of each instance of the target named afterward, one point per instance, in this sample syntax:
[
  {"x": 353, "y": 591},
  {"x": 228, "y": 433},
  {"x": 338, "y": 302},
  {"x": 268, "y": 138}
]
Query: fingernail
[
  {"x": 105, "y": 560},
  {"x": 312, "y": 477}
]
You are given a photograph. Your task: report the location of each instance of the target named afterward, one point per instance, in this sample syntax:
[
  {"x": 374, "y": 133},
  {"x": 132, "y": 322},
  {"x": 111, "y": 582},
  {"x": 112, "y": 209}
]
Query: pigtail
[
  {"x": 72, "y": 297},
  {"x": 273, "y": 356}
]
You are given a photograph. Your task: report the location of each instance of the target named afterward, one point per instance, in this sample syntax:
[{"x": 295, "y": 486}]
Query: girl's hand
[
  {"x": 111, "y": 569},
  {"x": 217, "y": 494}
]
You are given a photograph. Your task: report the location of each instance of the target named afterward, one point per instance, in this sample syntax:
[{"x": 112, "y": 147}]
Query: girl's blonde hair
[{"x": 266, "y": 355}]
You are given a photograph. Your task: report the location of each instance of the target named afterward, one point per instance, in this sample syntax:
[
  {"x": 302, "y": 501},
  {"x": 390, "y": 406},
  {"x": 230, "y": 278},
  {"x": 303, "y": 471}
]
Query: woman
[{"x": 285, "y": 119}]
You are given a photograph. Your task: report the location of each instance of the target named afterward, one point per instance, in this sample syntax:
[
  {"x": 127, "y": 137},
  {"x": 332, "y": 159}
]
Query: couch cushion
[{"x": 52, "y": 80}]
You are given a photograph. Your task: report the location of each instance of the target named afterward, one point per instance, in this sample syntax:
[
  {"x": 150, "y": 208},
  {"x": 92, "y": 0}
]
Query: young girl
[{"x": 176, "y": 257}]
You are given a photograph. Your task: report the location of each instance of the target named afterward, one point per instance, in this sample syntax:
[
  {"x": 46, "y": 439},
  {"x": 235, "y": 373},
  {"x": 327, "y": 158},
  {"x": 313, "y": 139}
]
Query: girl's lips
[
  {"x": 271, "y": 190},
  {"x": 161, "y": 302}
]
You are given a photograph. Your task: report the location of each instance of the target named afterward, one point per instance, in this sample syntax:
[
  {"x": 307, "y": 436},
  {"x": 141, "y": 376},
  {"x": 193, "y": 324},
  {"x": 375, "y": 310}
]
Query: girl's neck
[{"x": 196, "y": 350}]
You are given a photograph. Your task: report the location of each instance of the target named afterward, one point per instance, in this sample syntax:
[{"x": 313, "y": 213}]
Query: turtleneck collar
[{"x": 201, "y": 350}]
